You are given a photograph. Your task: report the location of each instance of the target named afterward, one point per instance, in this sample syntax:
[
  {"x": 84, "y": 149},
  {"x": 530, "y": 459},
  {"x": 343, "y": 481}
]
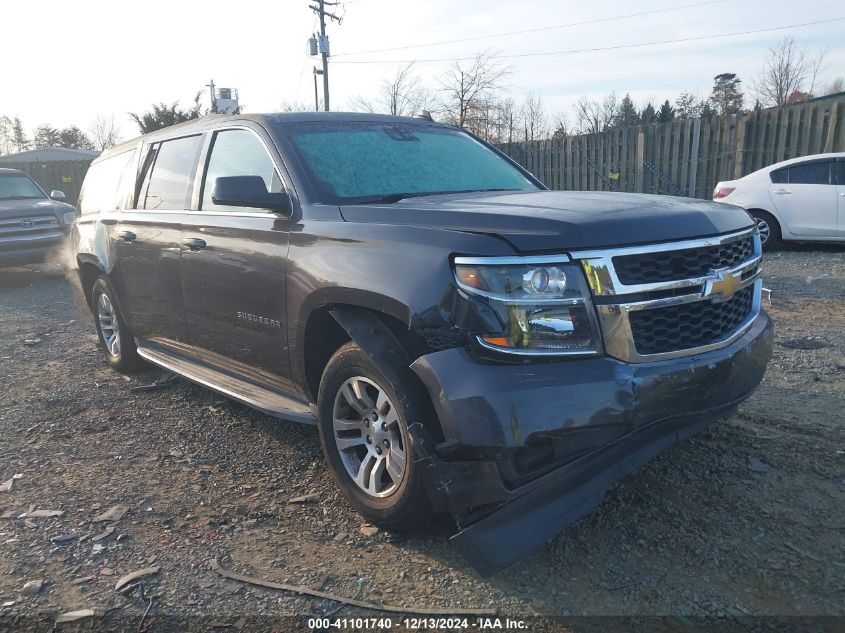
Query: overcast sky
[{"x": 66, "y": 62}]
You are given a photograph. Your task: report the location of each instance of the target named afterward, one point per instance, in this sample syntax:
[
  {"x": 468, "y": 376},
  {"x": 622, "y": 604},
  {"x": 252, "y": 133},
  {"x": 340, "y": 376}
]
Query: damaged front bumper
[{"x": 531, "y": 448}]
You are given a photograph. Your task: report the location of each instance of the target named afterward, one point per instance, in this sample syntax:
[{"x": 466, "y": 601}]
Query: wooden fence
[
  {"x": 685, "y": 158},
  {"x": 64, "y": 175}
]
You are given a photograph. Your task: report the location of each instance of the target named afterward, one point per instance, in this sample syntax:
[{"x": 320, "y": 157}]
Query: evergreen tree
[
  {"x": 71, "y": 137},
  {"x": 74, "y": 138},
  {"x": 647, "y": 114},
  {"x": 163, "y": 115},
  {"x": 727, "y": 94},
  {"x": 628, "y": 115},
  {"x": 46, "y": 136},
  {"x": 666, "y": 112},
  {"x": 19, "y": 136},
  {"x": 707, "y": 111}
]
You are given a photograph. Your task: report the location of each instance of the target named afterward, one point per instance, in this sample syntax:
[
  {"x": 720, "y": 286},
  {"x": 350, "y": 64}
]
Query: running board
[{"x": 244, "y": 391}]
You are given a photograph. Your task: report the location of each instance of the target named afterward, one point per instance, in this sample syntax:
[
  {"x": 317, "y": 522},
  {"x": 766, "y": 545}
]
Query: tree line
[
  {"x": 474, "y": 96},
  {"x": 101, "y": 134}
]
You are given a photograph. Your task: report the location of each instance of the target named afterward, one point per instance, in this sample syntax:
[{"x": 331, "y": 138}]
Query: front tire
[
  {"x": 768, "y": 227},
  {"x": 113, "y": 334},
  {"x": 363, "y": 422}
]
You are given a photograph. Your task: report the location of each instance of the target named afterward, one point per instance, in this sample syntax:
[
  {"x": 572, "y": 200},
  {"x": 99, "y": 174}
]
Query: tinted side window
[
  {"x": 810, "y": 174},
  {"x": 840, "y": 177},
  {"x": 101, "y": 190},
  {"x": 781, "y": 176},
  {"x": 238, "y": 153},
  {"x": 171, "y": 173}
]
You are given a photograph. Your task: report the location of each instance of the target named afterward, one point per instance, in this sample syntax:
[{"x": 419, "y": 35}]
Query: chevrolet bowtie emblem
[{"x": 721, "y": 285}]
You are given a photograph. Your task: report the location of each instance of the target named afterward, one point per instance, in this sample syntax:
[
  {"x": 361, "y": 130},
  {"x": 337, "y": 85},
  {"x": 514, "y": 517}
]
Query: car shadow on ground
[{"x": 26, "y": 276}]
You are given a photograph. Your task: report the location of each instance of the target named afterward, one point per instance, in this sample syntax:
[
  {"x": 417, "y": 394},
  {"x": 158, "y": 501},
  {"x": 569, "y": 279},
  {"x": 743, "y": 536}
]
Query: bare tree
[
  {"x": 7, "y": 144},
  {"x": 596, "y": 116},
  {"x": 688, "y": 105},
  {"x": 104, "y": 132},
  {"x": 404, "y": 94},
  {"x": 497, "y": 119},
  {"x": 291, "y": 105},
  {"x": 560, "y": 126},
  {"x": 788, "y": 69},
  {"x": 834, "y": 87},
  {"x": 588, "y": 114},
  {"x": 467, "y": 87},
  {"x": 610, "y": 110},
  {"x": 534, "y": 119}
]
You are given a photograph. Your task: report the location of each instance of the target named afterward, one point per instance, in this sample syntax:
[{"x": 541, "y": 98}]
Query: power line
[
  {"x": 596, "y": 49},
  {"x": 535, "y": 30}
]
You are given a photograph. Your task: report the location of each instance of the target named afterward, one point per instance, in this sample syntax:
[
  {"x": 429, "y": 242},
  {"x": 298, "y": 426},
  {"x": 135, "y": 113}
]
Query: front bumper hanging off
[{"x": 616, "y": 416}]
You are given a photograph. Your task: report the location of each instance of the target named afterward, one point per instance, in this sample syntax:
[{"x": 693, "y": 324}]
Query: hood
[
  {"x": 32, "y": 206},
  {"x": 561, "y": 220}
]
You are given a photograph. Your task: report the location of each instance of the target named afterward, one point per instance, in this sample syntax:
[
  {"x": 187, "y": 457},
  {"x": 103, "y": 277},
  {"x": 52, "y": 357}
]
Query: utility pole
[
  {"x": 210, "y": 86},
  {"x": 316, "y": 98},
  {"x": 320, "y": 10}
]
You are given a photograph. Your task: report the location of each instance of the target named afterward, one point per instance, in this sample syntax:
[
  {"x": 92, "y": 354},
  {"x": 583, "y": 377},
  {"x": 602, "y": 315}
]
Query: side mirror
[
  {"x": 248, "y": 191},
  {"x": 57, "y": 195}
]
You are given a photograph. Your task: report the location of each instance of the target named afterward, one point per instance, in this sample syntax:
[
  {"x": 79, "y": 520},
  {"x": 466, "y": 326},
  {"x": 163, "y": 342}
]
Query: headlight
[
  {"x": 542, "y": 302},
  {"x": 69, "y": 217}
]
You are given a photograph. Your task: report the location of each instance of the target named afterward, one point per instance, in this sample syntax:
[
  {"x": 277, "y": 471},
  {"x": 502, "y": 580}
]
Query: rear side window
[
  {"x": 102, "y": 190},
  {"x": 171, "y": 174},
  {"x": 840, "y": 176},
  {"x": 238, "y": 153},
  {"x": 804, "y": 174},
  {"x": 780, "y": 177}
]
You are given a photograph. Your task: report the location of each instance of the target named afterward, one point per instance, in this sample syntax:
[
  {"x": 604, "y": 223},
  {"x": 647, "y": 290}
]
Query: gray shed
[{"x": 53, "y": 167}]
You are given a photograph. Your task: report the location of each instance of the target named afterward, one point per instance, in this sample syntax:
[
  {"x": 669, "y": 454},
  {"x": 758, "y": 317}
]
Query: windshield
[
  {"x": 382, "y": 162},
  {"x": 18, "y": 187}
]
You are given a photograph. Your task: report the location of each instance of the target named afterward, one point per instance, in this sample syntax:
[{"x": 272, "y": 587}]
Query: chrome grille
[
  {"x": 670, "y": 300},
  {"x": 25, "y": 226},
  {"x": 690, "y": 262}
]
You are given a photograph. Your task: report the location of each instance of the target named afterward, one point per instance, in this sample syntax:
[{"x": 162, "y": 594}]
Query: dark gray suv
[
  {"x": 465, "y": 340},
  {"x": 33, "y": 226}
]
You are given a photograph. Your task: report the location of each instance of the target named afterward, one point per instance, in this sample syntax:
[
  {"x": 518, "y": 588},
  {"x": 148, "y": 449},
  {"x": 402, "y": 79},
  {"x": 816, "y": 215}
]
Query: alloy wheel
[
  {"x": 370, "y": 437},
  {"x": 764, "y": 229},
  {"x": 109, "y": 328}
]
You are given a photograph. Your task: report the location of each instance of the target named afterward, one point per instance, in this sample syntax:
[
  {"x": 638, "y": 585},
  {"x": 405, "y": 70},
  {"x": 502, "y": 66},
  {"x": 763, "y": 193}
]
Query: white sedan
[{"x": 800, "y": 199}]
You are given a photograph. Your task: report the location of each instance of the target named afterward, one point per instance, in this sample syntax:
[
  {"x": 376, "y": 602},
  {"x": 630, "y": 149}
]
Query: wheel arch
[
  {"x": 314, "y": 316},
  {"x": 772, "y": 214},
  {"x": 386, "y": 340},
  {"x": 88, "y": 270}
]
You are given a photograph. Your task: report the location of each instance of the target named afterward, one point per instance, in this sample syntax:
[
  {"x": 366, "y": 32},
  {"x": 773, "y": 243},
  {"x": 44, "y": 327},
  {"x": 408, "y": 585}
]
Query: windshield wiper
[
  {"x": 390, "y": 198},
  {"x": 20, "y": 197}
]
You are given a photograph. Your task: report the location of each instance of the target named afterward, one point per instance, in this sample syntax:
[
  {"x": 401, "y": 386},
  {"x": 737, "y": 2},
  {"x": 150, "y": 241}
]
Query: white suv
[{"x": 800, "y": 199}]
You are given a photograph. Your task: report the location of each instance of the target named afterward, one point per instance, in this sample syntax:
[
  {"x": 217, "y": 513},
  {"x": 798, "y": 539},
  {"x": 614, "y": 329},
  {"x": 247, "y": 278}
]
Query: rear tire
[
  {"x": 363, "y": 422},
  {"x": 113, "y": 335},
  {"x": 770, "y": 235}
]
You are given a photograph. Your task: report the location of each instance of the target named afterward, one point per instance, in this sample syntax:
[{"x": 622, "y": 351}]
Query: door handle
[
  {"x": 127, "y": 236},
  {"x": 193, "y": 243},
  {"x": 782, "y": 192}
]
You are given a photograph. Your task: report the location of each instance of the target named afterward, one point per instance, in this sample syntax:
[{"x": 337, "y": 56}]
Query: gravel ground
[{"x": 744, "y": 519}]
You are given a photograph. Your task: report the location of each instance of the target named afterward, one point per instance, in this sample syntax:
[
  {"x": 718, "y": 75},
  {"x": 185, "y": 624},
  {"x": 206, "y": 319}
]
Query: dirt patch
[{"x": 746, "y": 518}]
